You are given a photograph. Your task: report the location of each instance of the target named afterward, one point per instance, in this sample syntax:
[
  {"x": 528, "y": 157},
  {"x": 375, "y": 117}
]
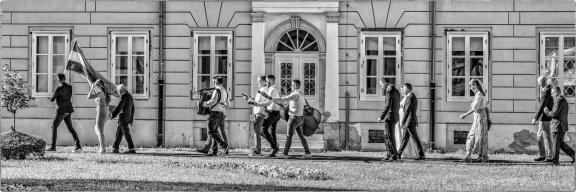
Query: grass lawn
[{"x": 182, "y": 169}]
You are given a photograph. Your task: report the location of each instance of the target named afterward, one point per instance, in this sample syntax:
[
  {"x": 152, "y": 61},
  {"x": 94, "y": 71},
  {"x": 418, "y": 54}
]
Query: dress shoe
[
  {"x": 420, "y": 158},
  {"x": 540, "y": 159},
  {"x": 115, "y": 151},
  {"x": 77, "y": 149},
  {"x": 387, "y": 158},
  {"x": 202, "y": 151},
  {"x": 548, "y": 160},
  {"x": 51, "y": 149},
  {"x": 130, "y": 151},
  {"x": 573, "y": 159},
  {"x": 273, "y": 153}
]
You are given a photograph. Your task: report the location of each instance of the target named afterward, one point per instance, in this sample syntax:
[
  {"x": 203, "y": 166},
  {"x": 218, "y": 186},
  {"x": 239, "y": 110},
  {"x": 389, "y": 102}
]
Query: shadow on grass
[
  {"x": 51, "y": 158},
  {"x": 124, "y": 185}
]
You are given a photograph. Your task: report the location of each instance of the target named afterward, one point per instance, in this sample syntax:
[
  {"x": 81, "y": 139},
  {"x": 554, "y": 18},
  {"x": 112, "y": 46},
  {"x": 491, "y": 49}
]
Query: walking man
[
  {"x": 559, "y": 126},
  {"x": 64, "y": 109},
  {"x": 409, "y": 122},
  {"x": 295, "y": 122},
  {"x": 273, "y": 109},
  {"x": 218, "y": 104},
  {"x": 259, "y": 110},
  {"x": 390, "y": 117},
  {"x": 125, "y": 111},
  {"x": 543, "y": 136}
]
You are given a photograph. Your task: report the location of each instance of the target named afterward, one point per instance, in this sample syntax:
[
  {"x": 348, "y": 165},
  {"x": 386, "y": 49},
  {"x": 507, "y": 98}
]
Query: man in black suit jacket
[
  {"x": 410, "y": 121},
  {"x": 64, "y": 109},
  {"x": 390, "y": 117},
  {"x": 559, "y": 126},
  {"x": 543, "y": 135},
  {"x": 125, "y": 110}
]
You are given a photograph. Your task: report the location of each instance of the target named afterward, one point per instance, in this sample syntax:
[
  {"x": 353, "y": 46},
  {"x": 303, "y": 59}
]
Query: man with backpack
[
  {"x": 296, "y": 110},
  {"x": 217, "y": 105}
]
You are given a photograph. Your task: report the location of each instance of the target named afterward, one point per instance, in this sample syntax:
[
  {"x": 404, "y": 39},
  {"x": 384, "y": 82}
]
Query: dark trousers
[
  {"x": 56, "y": 120},
  {"x": 258, "y": 122},
  {"x": 389, "y": 140},
  {"x": 557, "y": 144},
  {"x": 269, "y": 128},
  {"x": 411, "y": 132},
  {"x": 123, "y": 130},
  {"x": 210, "y": 144},
  {"x": 215, "y": 120},
  {"x": 295, "y": 124}
]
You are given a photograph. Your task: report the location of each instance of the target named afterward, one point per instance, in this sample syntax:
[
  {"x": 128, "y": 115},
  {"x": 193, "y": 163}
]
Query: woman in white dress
[
  {"x": 410, "y": 151},
  {"x": 99, "y": 93}
]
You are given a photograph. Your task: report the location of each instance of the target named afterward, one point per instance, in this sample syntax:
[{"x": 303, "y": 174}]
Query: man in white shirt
[
  {"x": 273, "y": 109},
  {"x": 295, "y": 122},
  {"x": 218, "y": 104},
  {"x": 259, "y": 104}
]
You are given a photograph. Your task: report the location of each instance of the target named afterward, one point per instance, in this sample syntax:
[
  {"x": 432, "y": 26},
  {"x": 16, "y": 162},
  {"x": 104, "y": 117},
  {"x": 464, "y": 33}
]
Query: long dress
[
  {"x": 477, "y": 142},
  {"x": 101, "y": 114},
  {"x": 410, "y": 150}
]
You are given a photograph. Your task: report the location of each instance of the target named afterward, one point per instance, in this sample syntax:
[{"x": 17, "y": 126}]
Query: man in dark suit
[
  {"x": 64, "y": 109},
  {"x": 559, "y": 126},
  {"x": 390, "y": 117},
  {"x": 410, "y": 121},
  {"x": 543, "y": 136},
  {"x": 125, "y": 110}
]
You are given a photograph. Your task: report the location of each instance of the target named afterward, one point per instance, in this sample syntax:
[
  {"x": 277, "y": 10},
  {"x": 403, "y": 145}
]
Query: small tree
[{"x": 13, "y": 93}]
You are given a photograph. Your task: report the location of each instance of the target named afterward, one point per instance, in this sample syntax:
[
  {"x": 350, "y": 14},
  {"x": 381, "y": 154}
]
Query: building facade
[{"x": 165, "y": 50}]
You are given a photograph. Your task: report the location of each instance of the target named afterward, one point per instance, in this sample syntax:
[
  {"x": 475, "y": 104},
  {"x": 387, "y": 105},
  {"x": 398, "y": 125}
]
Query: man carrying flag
[{"x": 78, "y": 63}]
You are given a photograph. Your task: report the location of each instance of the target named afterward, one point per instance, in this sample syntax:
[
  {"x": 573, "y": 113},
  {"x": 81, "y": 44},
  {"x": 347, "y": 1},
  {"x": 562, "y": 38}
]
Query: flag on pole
[{"x": 78, "y": 63}]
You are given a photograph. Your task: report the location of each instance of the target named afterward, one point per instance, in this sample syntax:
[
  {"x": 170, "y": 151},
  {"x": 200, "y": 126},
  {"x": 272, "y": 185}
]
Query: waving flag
[{"x": 78, "y": 63}]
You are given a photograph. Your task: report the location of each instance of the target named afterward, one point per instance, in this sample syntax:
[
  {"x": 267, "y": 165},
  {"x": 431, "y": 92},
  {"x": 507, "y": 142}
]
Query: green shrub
[{"x": 16, "y": 145}]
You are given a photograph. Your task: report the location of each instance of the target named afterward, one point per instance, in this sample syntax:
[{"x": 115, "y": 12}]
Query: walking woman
[
  {"x": 99, "y": 93},
  {"x": 477, "y": 141}
]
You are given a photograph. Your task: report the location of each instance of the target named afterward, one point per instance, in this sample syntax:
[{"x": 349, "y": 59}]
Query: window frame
[
  {"x": 50, "y": 73},
  {"x": 229, "y": 71},
  {"x": 131, "y": 35},
  {"x": 561, "y": 56},
  {"x": 467, "y": 76},
  {"x": 380, "y": 62}
]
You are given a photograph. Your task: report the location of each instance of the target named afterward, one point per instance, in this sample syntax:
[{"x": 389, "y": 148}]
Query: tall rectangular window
[
  {"x": 467, "y": 59},
  {"x": 557, "y": 59},
  {"x": 380, "y": 58},
  {"x": 212, "y": 57},
  {"x": 130, "y": 61},
  {"x": 49, "y": 53}
]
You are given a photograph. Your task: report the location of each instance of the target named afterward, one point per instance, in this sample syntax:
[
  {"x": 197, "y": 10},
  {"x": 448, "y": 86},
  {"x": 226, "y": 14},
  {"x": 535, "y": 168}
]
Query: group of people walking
[
  {"x": 266, "y": 112},
  {"x": 104, "y": 111},
  {"x": 400, "y": 107}
]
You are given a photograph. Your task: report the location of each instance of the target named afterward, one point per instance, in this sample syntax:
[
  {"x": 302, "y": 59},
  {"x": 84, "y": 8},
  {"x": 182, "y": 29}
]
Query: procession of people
[{"x": 398, "y": 118}]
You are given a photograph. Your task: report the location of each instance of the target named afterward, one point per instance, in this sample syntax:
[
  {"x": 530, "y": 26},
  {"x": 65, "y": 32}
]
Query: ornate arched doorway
[{"x": 295, "y": 50}]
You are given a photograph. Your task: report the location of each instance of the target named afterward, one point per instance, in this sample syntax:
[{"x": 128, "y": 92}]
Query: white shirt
[
  {"x": 273, "y": 92},
  {"x": 223, "y": 100},
  {"x": 261, "y": 101}
]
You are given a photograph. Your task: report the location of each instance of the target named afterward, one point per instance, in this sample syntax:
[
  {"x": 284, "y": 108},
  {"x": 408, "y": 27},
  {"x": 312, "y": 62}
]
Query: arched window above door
[{"x": 297, "y": 40}]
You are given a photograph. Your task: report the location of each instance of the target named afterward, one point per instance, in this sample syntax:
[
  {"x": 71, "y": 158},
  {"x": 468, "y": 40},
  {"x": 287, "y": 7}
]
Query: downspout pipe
[
  {"x": 162, "y": 30},
  {"x": 432, "y": 81}
]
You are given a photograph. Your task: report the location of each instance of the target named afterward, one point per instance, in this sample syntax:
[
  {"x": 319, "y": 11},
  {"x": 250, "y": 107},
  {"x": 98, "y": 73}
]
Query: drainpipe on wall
[
  {"x": 162, "y": 29},
  {"x": 432, "y": 81}
]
